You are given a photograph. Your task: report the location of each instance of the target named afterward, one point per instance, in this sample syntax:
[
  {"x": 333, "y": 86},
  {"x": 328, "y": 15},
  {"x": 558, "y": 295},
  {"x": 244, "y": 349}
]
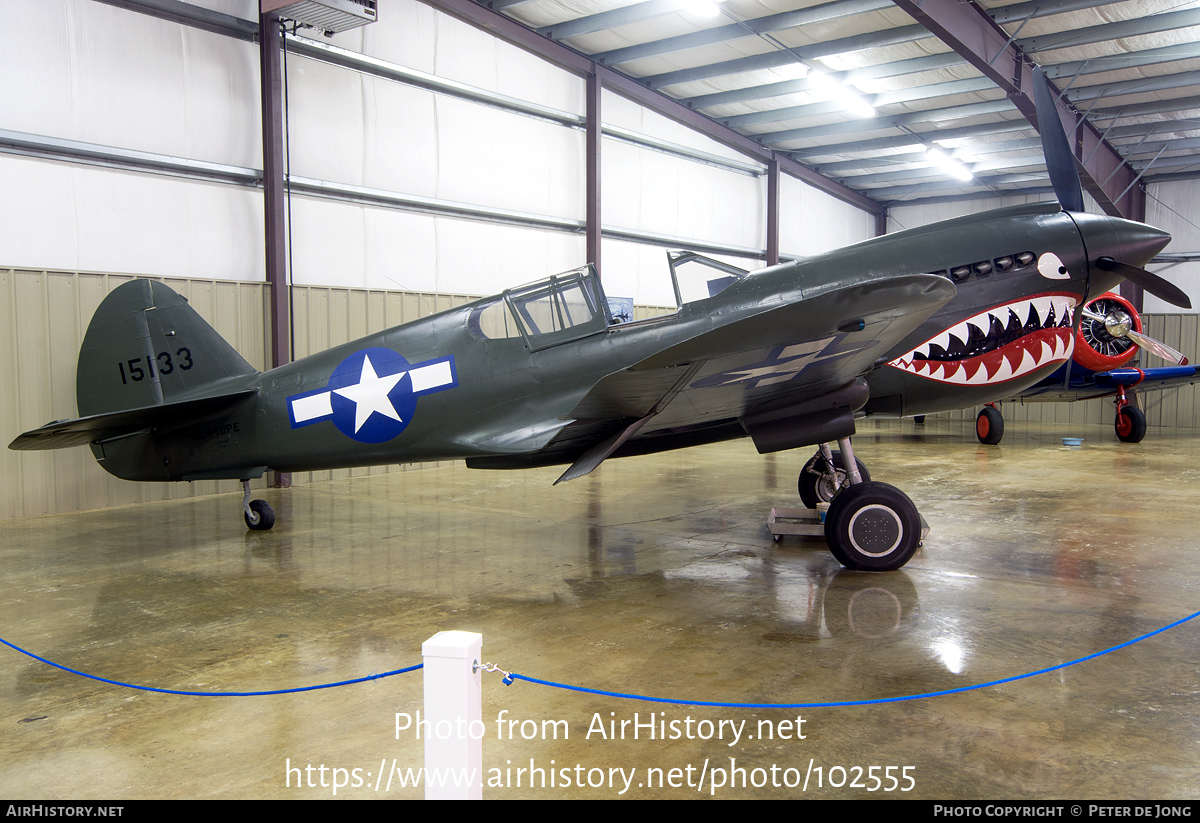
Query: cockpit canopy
[
  {"x": 572, "y": 305},
  {"x": 560, "y": 308}
]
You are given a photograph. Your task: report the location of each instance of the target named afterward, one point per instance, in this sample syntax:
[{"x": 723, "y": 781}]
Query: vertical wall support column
[
  {"x": 773, "y": 211},
  {"x": 592, "y": 161},
  {"x": 271, "y": 93},
  {"x": 454, "y": 715},
  {"x": 881, "y": 223},
  {"x": 1136, "y": 200}
]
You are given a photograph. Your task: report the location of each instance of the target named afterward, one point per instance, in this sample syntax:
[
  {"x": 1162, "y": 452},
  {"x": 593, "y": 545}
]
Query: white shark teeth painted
[
  {"x": 1049, "y": 339},
  {"x": 1036, "y": 310}
]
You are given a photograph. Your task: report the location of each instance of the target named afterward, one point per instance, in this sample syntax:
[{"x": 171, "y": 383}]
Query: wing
[
  {"x": 781, "y": 375},
  {"x": 1104, "y": 384}
]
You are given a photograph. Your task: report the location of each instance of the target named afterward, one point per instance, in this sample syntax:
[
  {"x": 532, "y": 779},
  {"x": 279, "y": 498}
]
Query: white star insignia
[{"x": 370, "y": 394}]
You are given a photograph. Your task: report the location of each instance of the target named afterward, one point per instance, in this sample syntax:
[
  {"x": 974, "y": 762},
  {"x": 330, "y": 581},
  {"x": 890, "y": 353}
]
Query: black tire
[
  {"x": 872, "y": 527},
  {"x": 989, "y": 426},
  {"x": 919, "y": 420},
  {"x": 1130, "y": 424},
  {"x": 264, "y": 516},
  {"x": 816, "y": 486}
]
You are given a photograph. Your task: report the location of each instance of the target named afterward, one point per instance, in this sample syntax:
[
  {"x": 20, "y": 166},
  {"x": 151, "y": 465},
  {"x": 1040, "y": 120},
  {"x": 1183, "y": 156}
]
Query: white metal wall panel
[
  {"x": 350, "y": 128},
  {"x": 640, "y": 272},
  {"x": 415, "y": 35},
  {"x": 356, "y": 246},
  {"x": 93, "y": 72},
  {"x": 812, "y": 222},
  {"x": 656, "y": 192},
  {"x": 616, "y": 110},
  {"x": 73, "y": 217},
  {"x": 1173, "y": 207}
]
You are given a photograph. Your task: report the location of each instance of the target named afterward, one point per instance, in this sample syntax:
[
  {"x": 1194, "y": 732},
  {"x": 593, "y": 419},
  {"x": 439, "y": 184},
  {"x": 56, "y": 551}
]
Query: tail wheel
[
  {"x": 989, "y": 426},
  {"x": 872, "y": 527},
  {"x": 1095, "y": 348},
  {"x": 260, "y": 517},
  {"x": 817, "y": 485},
  {"x": 1130, "y": 424}
]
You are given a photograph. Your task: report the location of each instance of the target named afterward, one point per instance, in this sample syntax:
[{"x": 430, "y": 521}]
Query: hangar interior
[{"x": 452, "y": 149}]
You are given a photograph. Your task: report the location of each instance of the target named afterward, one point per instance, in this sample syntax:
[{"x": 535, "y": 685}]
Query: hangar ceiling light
[{"x": 856, "y": 90}]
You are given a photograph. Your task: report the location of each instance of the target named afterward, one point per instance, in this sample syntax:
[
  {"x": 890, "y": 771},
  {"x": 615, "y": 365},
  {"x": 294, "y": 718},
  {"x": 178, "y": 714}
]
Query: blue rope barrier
[
  {"x": 514, "y": 676},
  {"x": 509, "y": 677},
  {"x": 211, "y": 694}
]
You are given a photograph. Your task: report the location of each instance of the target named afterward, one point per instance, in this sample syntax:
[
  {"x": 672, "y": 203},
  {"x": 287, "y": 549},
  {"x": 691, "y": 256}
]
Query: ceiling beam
[
  {"x": 1024, "y": 191},
  {"x": 775, "y": 59},
  {"x": 748, "y": 28},
  {"x": 911, "y": 139},
  {"x": 968, "y": 30},
  {"x": 970, "y": 84},
  {"x": 1104, "y": 32},
  {"x": 609, "y": 19},
  {"x": 1040, "y": 8},
  {"x": 879, "y": 123},
  {"x": 896, "y": 69},
  {"x": 192, "y": 15},
  {"x": 513, "y": 32}
]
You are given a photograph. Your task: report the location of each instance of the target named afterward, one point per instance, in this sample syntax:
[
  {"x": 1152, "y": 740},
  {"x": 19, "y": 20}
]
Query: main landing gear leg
[
  {"x": 870, "y": 526},
  {"x": 824, "y": 475},
  {"x": 258, "y": 513}
]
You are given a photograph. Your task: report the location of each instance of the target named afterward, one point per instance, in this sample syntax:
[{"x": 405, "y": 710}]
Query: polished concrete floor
[{"x": 653, "y": 576}]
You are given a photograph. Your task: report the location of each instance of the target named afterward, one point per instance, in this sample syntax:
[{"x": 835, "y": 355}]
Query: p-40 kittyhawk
[{"x": 543, "y": 374}]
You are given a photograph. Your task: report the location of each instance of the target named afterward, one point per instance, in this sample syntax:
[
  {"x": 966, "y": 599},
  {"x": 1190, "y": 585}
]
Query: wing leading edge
[{"x": 787, "y": 376}]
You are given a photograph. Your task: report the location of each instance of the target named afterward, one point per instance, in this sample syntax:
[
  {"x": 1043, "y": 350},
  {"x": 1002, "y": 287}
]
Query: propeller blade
[
  {"x": 1156, "y": 347},
  {"x": 1060, "y": 162},
  {"x": 1149, "y": 281}
]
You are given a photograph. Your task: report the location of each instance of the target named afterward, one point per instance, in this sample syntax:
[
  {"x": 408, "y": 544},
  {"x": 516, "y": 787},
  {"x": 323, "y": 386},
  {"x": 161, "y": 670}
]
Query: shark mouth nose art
[{"x": 999, "y": 344}]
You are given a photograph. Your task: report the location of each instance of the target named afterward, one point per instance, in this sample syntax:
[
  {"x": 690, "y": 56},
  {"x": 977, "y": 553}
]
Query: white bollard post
[{"x": 454, "y": 713}]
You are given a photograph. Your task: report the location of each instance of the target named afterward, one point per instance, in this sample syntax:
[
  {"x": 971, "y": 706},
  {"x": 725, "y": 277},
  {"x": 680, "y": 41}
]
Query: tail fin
[
  {"x": 149, "y": 363},
  {"x": 146, "y": 346}
]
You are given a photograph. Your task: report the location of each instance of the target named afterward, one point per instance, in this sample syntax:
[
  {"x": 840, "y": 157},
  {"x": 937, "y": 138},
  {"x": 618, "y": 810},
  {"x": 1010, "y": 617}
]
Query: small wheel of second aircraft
[
  {"x": 989, "y": 426},
  {"x": 818, "y": 486},
  {"x": 872, "y": 527},
  {"x": 1130, "y": 424},
  {"x": 260, "y": 517}
]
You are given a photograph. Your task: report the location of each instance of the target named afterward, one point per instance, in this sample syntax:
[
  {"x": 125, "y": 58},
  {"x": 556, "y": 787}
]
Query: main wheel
[
  {"x": 260, "y": 517},
  {"x": 816, "y": 485},
  {"x": 872, "y": 527},
  {"x": 989, "y": 426},
  {"x": 1130, "y": 424}
]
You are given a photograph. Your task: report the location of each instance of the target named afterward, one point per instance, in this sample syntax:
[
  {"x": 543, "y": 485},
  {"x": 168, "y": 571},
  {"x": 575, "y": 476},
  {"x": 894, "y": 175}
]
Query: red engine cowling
[{"x": 1095, "y": 348}]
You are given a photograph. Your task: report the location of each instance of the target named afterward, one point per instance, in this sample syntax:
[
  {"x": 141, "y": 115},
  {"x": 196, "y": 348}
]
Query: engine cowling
[{"x": 1095, "y": 348}]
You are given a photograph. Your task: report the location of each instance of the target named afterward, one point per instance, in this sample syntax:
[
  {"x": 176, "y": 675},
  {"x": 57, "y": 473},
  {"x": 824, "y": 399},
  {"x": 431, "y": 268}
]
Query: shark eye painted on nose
[{"x": 1051, "y": 267}]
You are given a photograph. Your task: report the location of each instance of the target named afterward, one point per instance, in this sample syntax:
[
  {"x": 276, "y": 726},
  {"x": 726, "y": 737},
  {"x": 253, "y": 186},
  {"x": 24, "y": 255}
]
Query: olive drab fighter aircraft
[{"x": 542, "y": 374}]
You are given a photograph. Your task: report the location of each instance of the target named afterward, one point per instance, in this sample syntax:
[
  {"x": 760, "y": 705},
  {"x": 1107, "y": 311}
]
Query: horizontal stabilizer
[{"x": 64, "y": 433}]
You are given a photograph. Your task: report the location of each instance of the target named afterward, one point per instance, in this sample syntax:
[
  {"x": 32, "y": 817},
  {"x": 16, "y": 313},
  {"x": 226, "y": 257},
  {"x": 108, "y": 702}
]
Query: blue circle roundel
[{"x": 371, "y": 395}]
